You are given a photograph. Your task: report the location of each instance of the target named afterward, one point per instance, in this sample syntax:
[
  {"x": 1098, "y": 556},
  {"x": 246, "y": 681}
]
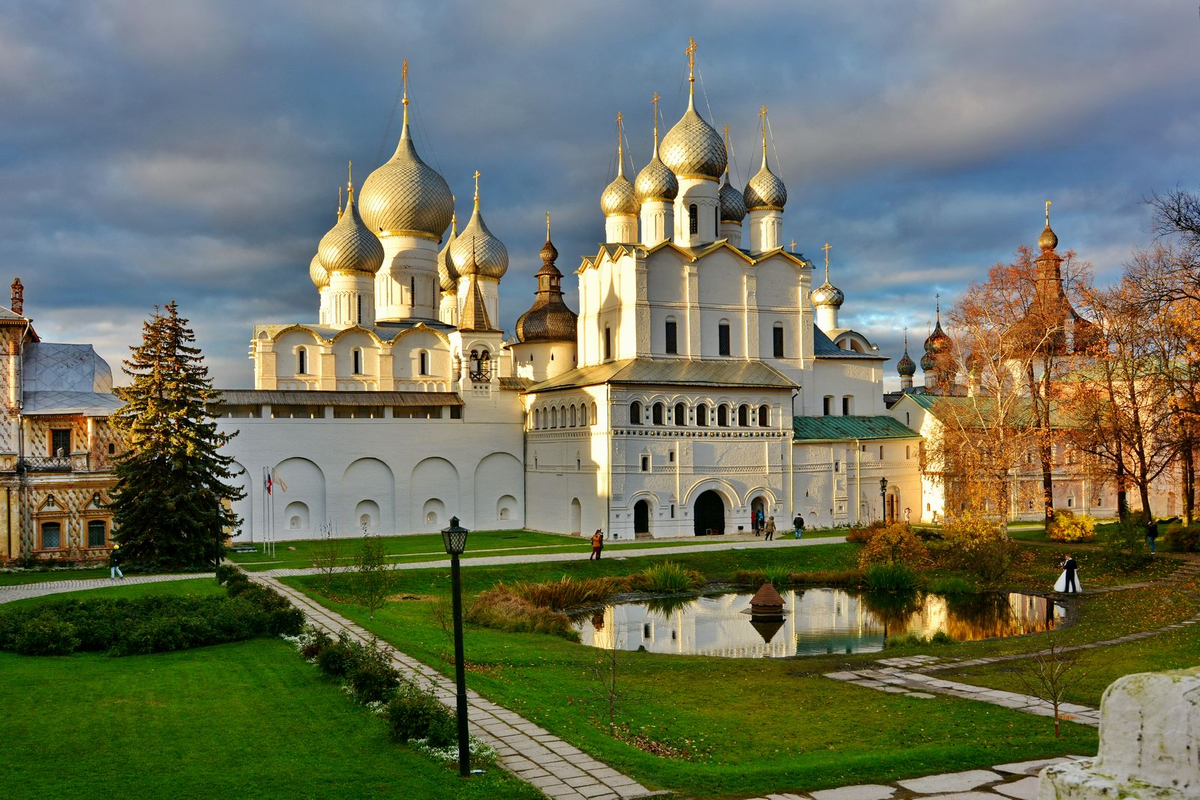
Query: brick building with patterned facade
[{"x": 56, "y": 444}]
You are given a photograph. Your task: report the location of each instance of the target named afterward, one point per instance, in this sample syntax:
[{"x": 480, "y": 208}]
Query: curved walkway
[{"x": 23, "y": 591}]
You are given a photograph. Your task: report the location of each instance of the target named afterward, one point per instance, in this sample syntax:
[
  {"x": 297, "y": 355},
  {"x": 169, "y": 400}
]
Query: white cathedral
[{"x": 703, "y": 379}]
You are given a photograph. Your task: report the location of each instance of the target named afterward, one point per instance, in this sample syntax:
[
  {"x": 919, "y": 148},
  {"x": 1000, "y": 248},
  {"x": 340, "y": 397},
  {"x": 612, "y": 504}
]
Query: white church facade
[{"x": 703, "y": 379}]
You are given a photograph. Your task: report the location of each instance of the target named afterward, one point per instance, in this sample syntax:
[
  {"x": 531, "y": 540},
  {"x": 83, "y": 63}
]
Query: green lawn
[
  {"x": 22, "y": 577},
  {"x": 481, "y": 544},
  {"x": 243, "y": 720},
  {"x": 750, "y": 726}
]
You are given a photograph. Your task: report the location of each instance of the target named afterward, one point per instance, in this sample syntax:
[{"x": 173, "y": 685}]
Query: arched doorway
[
  {"x": 641, "y": 517},
  {"x": 708, "y": 514},
  {"x": 757, "y": 505},
  {"x": 576, "y": 516},
  {"x": 892, "y": 512}
]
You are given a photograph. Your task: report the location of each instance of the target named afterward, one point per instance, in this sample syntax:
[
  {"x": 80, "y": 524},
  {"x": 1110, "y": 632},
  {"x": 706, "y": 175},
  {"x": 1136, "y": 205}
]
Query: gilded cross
[
  {"x": 339, "y": 208},
  {"x": 350, "y": 181},
  {"x": 1048, "y": 211},
  {"x": 476, "y": 184},
  {"x": 404, "y": 77},
  {"x": 547, "y": 226},
  {"x": 827, "y": 248},
  {"x": 654, "y": 102},
  {"x": 691, "y": 54},
  {"x": 793, "y": 245}
]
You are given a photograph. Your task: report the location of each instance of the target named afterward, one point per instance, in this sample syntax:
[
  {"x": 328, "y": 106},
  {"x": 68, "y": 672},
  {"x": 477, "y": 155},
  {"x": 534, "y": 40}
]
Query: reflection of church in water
[{"x": 815, "y": 621}]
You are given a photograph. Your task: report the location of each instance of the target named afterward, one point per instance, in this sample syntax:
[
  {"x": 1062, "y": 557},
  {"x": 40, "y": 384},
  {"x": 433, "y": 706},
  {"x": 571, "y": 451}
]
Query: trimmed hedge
[{"x": 154, "y": 624}]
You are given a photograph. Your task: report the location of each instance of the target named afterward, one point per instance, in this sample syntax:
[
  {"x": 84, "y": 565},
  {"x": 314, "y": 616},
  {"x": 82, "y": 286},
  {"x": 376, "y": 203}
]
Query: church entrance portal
[
  {"x": 708, "y": 515},
  {"x": 757, "y": 505},
  {"x": 641, "y": 517}
]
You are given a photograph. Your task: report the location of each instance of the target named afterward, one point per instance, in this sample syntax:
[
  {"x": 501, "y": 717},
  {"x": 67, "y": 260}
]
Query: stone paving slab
[
  {"x": 524, "y": 749},
  {"x": 866, "y": 791},
  {"x": 1024, "y": 789},
  {"x": 951, "y": 782}
]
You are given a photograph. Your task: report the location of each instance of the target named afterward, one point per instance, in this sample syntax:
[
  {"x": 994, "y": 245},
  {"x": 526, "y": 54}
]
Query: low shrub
[
  {"x": 952, "y": 584},
  {"x": 896, "y": 578},
  {"x": 779, "y": 575},
  {"x": 864, "y": 535},
  {"x": 285, "y": 621},
  {"x": 372, "y": 677},
  {"x": 668, "y": 577},
  {"x": 224, "y": 571},
  {"x": 1182, "y": 540},
  {"x": 313, "y": 642},
  {"x": 500, "y": 609},
  {"x": 750, "y": 577},
  {"x": 339, "y": 657},
  {"x": 977, "y": 545},
  {"x": 412, "y": 714},
  {"x": 829, "y": 577},
  {"x": 46, "y": 635},
  {"x": 895, "y": 544},
  {"x": 565, "y": 592},
  {"x": 1064, "y": 526},
  {"x": 1125, "y": 545}
]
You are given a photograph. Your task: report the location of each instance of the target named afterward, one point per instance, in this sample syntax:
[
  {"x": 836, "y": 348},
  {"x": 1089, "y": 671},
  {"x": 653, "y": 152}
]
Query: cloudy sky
[{"x": 153, "y": 150}]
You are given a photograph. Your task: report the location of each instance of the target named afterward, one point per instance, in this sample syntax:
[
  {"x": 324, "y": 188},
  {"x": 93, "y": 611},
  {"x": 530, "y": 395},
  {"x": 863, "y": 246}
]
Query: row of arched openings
[
  {"x": 564, "y": 416},
  {"x": 725, "y": 416}
]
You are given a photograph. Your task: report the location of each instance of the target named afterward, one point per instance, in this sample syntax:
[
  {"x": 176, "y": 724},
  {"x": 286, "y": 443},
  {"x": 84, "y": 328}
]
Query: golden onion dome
[
  {"x": 406, "y": 195},
  {"x": 350, "y": 246},
  {"x": 1049, "y": 239},
  {"x": 693, "y": 148},
  {"x": 906, "y": 367},
  {"x": 447, "y": 274},
  {"x": 828, "y": 295},
  {"x": 655, "y": 181},
  {"x": 548, "y": 319},
  {"x": 939, "y": 340},
  {"x": 733, "y": 202},
  {"x": 318, "y": 274},
  {"x": 476, "y": 251},
  {"x": 618, "y": 198}
]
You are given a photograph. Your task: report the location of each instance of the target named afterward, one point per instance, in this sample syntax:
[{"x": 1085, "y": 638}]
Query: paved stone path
[
  {"x": 26, "y": 590},
  {"x": 1005, "y": 781},
  {"x": 534, "y": 755}
]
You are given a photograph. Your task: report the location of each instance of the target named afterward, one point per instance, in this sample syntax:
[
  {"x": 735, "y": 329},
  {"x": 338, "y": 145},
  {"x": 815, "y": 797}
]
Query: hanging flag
[
  {"x": 282, "y": 485},
  {"x": 269, "y": 481}
]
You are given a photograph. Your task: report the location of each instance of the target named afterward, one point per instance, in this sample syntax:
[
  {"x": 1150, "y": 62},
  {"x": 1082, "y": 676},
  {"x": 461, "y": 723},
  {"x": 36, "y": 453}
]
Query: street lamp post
[
  {"x": 455, "y": 539},
  {"x": 883, "y": 500}
]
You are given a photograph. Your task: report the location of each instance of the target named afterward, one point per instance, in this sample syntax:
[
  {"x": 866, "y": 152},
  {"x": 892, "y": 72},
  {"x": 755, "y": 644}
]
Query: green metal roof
[
  {"x": 840, "y": 429},
  {"x": 671, "y": 372},
  {"x": 984, "y": 409}
]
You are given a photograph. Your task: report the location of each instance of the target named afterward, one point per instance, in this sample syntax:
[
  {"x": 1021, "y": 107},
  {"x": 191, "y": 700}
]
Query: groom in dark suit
[{"x": 1070, "y": 566}]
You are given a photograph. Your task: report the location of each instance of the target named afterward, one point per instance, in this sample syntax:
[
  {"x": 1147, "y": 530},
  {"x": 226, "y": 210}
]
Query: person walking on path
[
  {"x": 1152, "y": 534},
  {"x": 769, "y": 529},
  {"x": 798, "y": 524},
  {"x": 597, "y": 545},
  {"x": 114, "y": 563}
]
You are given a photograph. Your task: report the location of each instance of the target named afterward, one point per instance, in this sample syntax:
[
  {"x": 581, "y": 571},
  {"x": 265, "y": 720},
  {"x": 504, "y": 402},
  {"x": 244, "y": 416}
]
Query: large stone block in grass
[{"x": 1149, "y": 743}]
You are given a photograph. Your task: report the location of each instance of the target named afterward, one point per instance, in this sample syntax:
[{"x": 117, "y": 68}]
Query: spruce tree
[{"x": 172, "y": 502}]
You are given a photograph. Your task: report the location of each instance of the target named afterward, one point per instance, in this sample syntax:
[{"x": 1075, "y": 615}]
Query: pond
[{"x": 814, "y": 622}]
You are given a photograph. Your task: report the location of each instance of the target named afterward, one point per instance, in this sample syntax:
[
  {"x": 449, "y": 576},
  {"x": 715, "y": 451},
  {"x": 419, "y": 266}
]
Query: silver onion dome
[
  {"x": 733, "y": 202},
  {"x": 656, "y": 182},
  {"x": 350, "y": 246},
  {"x": 619, "y": 198},
  {"x": 765, "y": 190},
  {"x": 693, "y": 148},
  {"x": 406, "y": 195},
  {"x": 318, "y": 274},
  {"x": 828, "y": 295},
  {"x": 477, "y": 252}
]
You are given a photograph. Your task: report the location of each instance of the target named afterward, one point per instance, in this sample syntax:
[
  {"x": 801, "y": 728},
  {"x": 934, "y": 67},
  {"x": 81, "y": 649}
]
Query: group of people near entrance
[{"x": 765, "y": 526}]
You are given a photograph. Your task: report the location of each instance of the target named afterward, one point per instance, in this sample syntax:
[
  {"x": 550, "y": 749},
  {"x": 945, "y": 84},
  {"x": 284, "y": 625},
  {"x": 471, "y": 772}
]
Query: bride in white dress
[{"x": 1060, "y": 585}]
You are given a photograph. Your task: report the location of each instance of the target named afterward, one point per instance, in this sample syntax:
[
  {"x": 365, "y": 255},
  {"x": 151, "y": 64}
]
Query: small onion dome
[
  {"x": 350, "y": 246},
  {"x": 693, "y": 148},
  {"x": 938, "y": 341},
  {"x": 406, "y": 195},
  {"x": 1048, "y": 240},
  {"x": 318, "y": 274},
  {"x": 733, "y": 202},
  {"x": 447, "y": 274},
  {"x": 828, "y": 295},
  {"x": 548, "y": 319},
  {"x": 928, "y": 362},
  {"x": 765, "y": 190},
  {"x": 477, "y": 252},
  {"x": 906, "y": 367},
  {"x": 655, "y": 181},
  {"x": 619, "y": 198}
]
